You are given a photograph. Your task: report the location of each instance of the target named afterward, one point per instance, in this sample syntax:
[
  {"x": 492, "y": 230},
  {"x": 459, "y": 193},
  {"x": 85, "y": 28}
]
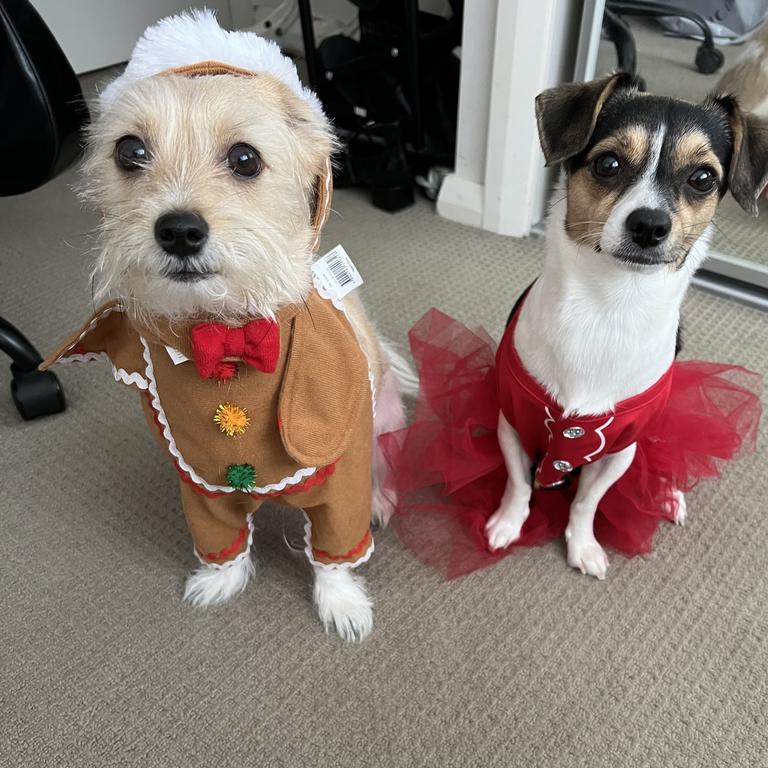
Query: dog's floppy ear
[
  {"x": 566, "y": 115},
  {"x": 325, "y": 390},
  {"x": 314, "y": 146},
  {"x": 321, "y": 206},
  {"x": 748, "y": 174}
]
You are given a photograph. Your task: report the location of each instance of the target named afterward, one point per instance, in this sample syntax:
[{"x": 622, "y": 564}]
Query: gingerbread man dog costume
[{"x": 259, "y": 382}]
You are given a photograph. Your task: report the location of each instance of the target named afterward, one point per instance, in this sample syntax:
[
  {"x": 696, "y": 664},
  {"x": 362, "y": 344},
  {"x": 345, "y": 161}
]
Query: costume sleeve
[
  {"x": 326, "y": 391},
  {"x": 107, "y": 333}
]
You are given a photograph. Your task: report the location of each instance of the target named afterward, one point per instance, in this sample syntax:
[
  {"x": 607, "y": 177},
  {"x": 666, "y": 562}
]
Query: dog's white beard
[{"x": 243, "y": 286}]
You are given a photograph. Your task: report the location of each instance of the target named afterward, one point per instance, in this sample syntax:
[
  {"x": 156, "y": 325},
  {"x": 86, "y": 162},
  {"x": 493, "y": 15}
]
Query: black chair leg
[
  {"x": 35, "y": 393},
  {"x": 621, "y": 36},
  {"x": 708, "y": 58}
]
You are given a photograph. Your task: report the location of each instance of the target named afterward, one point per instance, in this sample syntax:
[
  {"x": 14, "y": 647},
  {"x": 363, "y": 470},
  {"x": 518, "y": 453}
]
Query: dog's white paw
[
  {"x": 504, "y": 526},
  {"x": 585, "y": 554},
  {"x": 343, "y": 603},
  {"x": 678, "y": 507},
  {"x": 210, "y": 585}
]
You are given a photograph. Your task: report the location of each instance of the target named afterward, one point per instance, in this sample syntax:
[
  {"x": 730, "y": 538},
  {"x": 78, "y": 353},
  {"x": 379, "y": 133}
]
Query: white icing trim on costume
[
  {"x": 135, "y": 379},
  {"x": 293, "y": 479},
  {"x": 549, "y": 421},
  {"x": 85, "y": 357},
  {"x": 131, "y": 379},
  {"x": 599, "y": 431},
  {"x": 308, "y": 551},
  {"x": 104, "y": 312},
  {"x": 245, "y": 553}
]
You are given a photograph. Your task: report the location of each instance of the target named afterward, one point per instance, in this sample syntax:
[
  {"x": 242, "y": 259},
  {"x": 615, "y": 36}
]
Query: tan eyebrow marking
[
  {"x": 694, "y": 148},
  {"x": 631, "y": 142}
]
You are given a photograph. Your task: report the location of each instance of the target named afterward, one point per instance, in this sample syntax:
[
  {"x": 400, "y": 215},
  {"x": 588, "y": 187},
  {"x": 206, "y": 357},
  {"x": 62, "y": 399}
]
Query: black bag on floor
[{"x": 393, "y": 95}]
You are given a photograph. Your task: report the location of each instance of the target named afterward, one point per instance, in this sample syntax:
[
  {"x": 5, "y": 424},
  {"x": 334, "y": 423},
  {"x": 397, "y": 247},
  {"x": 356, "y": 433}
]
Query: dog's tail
[
  {"x": 403, "y": 370},
  {"x": 397, "y": 380}
]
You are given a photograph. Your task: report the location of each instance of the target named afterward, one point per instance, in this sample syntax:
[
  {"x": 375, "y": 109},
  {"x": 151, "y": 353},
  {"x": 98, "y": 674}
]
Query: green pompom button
[{"x": 241, "y": 476}]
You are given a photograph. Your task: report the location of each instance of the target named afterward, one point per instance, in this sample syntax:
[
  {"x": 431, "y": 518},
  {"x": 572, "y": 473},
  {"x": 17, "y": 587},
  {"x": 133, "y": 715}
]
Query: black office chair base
[
  {"x": 35, "y": 393},
  {"x": 708, "y": 60}
]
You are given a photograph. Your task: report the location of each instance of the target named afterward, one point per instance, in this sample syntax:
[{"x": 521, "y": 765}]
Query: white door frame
[{"x": 511, "y": 51}]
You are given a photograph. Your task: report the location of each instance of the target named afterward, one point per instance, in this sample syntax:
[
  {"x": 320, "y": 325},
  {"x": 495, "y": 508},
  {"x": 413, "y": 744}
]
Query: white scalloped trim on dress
[
  {"x": 296, "y": 477},
  {"x": 245, "y": 553},
  {"x": 104, "y": 312},
  {"x": 131, "y": 379},
  {"x": 364, "y": 558}
]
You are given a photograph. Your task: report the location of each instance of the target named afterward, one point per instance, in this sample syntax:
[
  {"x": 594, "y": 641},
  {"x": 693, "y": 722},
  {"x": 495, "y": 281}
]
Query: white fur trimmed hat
[{"x": 195, "y": 36}]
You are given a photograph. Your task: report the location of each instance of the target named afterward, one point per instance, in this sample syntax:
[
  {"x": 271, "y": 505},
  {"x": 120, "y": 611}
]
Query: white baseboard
[{"x": 461, "y": 200}]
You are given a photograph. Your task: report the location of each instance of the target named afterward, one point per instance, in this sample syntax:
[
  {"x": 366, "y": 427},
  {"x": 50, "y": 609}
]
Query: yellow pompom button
[{"x": 232, "y": 419}]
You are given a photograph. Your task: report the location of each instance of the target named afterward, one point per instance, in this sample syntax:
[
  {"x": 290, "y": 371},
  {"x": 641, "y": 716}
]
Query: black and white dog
[{"x": 643, "y": 176}]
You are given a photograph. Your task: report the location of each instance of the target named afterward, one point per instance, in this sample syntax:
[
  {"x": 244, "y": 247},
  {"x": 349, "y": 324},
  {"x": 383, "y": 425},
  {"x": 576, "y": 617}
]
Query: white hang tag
[
  {"x": 176, "y": 356},
  {"x": 336, "y": 273}
]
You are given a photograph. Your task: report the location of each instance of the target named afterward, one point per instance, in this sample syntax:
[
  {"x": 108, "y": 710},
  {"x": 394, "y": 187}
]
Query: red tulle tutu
[{"x": 449, "y": 472}]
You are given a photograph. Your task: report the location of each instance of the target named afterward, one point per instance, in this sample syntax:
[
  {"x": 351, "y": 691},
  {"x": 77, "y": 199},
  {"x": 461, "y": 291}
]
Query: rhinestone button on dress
[
  {"x": 573, "y": 432},
  {"x": 562, "y": 466}
]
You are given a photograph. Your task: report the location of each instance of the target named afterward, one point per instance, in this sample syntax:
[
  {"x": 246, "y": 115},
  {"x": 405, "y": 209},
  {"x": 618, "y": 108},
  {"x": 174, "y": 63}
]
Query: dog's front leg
[
  {"x": 342, "y": 602},
  {"x": 221, "y": 529},
  {"x": 339, "y": 539},
  {"x": 505, "y": 524},
  {"x": 584, "y": 552}
]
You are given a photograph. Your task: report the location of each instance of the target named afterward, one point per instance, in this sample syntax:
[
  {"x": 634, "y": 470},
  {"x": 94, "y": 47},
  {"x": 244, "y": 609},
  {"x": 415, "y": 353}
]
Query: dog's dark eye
[
  {"x": 606, "y": 165},
  {"x": 131, "y": 154},
  {"x": 702, "y": 180},
  {"x": 244, "y": 160}
]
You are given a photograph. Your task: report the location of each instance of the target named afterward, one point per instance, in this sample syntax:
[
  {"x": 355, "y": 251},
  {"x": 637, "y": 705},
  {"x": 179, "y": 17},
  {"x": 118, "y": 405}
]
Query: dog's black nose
[
  {"x": 181, "y": 234},
  {"x": 648, "y": 226}
]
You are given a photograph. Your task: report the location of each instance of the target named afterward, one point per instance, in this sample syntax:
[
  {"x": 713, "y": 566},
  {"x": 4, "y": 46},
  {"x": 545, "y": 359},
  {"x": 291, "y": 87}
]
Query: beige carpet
[{"x": 527, "y": 664}]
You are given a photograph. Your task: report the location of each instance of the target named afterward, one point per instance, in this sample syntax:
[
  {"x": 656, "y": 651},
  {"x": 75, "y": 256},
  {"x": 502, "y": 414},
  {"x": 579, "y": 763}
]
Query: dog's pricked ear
[
  {"x": 748, "y": 175},
  {"x": 566, "y": 115}
]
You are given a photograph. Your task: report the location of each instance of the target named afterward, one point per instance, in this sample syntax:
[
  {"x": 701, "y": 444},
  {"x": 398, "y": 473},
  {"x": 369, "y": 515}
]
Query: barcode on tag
[{"x": 336, "y": 273}]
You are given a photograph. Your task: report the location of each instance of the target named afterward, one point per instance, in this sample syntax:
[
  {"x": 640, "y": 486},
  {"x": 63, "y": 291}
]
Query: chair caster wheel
[
  {"x": 36, "y": 393},
  {"x": 708, "y": 60}
]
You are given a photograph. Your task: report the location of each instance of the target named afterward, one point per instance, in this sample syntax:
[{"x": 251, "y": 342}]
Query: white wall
[
  {"x": 461, "y": 196},
  {"x": 99, "y": 33},
  {"x": 512, "y": 50}
]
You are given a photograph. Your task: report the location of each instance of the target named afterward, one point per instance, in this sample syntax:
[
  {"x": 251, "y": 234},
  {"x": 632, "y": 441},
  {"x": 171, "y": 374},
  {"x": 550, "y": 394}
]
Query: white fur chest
[{"x": 594, "y": 332}]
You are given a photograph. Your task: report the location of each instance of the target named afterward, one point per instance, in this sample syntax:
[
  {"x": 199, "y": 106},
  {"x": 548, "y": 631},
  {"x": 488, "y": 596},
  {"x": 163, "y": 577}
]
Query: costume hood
[{"x": 195, "y": 38}]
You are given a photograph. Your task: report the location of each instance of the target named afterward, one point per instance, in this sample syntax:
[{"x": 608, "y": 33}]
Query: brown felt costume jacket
[{"x": 309, "y": 437}]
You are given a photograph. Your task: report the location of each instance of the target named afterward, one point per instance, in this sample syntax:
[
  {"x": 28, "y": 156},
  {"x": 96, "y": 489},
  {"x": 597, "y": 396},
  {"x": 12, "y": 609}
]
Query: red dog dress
[
  {"x": 559, "y": 443},
  {"x": 450, "y": 469}
]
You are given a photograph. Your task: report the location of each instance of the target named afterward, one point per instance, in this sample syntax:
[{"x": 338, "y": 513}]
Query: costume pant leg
[
  {"x": 220, "y": 526},
  {"x": 340, "y": 533}
]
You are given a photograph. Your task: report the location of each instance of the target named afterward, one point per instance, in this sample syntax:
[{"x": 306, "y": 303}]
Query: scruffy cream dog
[{"x": 209, "y": 164}]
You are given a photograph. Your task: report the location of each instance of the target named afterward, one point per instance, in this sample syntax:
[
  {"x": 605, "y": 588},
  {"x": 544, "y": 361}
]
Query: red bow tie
[{"x": 257, "y": 344}]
